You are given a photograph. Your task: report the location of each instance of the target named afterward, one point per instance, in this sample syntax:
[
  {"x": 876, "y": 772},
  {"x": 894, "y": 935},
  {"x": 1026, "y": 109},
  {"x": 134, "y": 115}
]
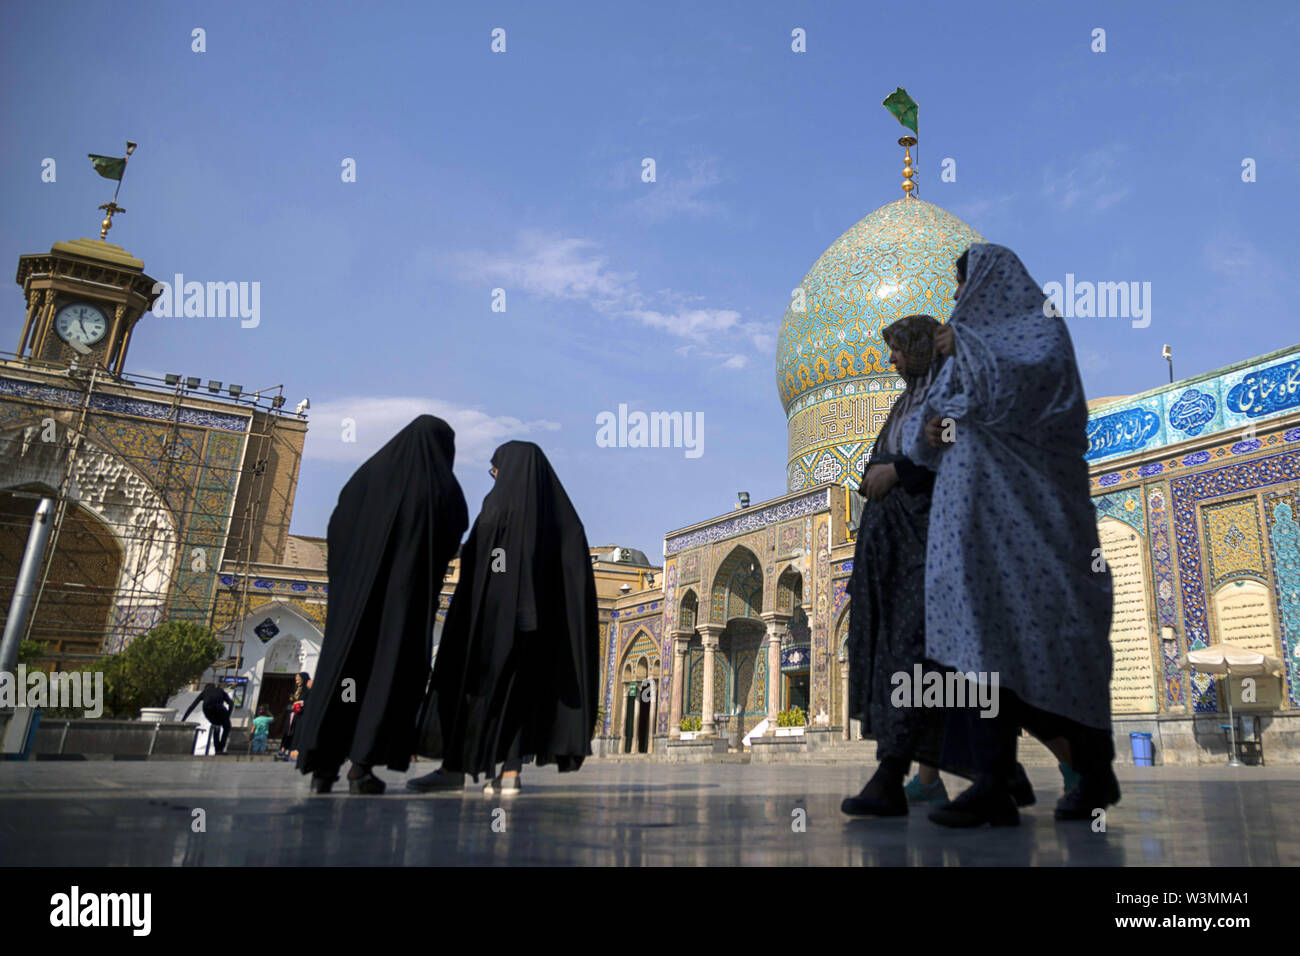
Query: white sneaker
[{"x": 506, "y": 786}]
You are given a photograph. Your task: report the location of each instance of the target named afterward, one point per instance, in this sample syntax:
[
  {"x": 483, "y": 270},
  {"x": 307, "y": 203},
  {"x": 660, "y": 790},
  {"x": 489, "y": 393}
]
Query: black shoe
[
  {"x": 322, "y": 784},
  {"x": 976, "y": 806},
  {"x": 1093, "y": 791},
  {"x": 368, "y": 783},
  {"x": 439, "y": 780},
  {"x": 882, "y": 797},
  {"x": 1022, "y": 791}
]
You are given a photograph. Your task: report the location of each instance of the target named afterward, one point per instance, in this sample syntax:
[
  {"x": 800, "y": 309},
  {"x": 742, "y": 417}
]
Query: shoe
[
  {"x": 1093, "y": 792},
  {"x": 1022, "y": 791},
  {"x": 368, "y": 784},
  {"x": 918, "y": 792},
  {"x": 886, "y": 800},
  {"x": 506, "y": 786},
  {"x": 976, "y": 806},
  {"x": 322, "y": 784},
  {"x": 438, "y": 780}
]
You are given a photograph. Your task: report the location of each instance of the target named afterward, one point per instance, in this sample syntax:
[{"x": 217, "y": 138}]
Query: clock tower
[{"x": 84, "y": 298}]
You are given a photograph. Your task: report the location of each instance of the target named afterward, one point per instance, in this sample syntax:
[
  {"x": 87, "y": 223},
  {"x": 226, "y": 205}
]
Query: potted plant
[
  {"x": 691, "y": 727},
  {"x": 790, "y": 723},
  {"x": 154, "y": 667}
]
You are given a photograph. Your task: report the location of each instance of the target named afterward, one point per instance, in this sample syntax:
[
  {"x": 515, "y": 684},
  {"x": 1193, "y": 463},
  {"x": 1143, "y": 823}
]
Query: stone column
[
  {"x": 656, "y": 686},
  {"x": 636, "y": 720},
  {"x": 678, "y": 689},
  {"x": 775, "y": 628},
  {"x": 709, "y": 634},
  {"x": 844, "y": 694}
]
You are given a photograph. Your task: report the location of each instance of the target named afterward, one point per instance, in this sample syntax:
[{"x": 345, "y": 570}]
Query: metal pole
[
  {"x": 1232, "y": 722},
  {"x": 25, "y": 585}
]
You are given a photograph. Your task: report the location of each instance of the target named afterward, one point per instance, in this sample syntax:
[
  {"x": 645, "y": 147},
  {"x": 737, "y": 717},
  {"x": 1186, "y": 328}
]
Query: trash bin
[{"x": 1143, "y": 749}]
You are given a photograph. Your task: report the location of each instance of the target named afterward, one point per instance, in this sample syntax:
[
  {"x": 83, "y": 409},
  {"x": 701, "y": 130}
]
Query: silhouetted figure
[
  {"x": 397, "y": 524},
  {"x": 217, "y": 707},
  {"x": 516, "y": 672}
]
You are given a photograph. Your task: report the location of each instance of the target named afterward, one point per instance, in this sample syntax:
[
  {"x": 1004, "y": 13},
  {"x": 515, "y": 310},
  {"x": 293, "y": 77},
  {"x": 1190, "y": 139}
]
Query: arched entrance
[
  {"x": 737, "y": 588},
  {"x": 639, "y": 695},
  {"x": 80, "y": 577},
  {"x": 111, "y": 565},
  {"x": 279, "y": 640},
  {"x": 796, "y": 663}
]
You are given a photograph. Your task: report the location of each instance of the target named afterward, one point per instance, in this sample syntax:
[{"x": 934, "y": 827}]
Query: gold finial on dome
[
  {"x": 111, "y": 168},
  {"x": 908, "y": 172},
  {"x": 110, "y": 210}
]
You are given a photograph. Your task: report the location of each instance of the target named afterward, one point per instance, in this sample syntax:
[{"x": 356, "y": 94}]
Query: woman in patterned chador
[
  {"x": 887, "y": 591},
  {"x": 1013, "y": 585}
]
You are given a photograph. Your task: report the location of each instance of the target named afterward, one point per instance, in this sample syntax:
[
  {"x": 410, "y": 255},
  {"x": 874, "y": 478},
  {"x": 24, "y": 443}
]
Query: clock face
[{"x": 81, "y": 322}]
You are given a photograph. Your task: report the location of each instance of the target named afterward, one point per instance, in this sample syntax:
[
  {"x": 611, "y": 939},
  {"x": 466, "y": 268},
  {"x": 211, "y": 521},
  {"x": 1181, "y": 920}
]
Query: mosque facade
[
  {"x": 1197, "y": 490},
  {"x": 172, "y": 498},
  {"x": 176, "y": 502}
]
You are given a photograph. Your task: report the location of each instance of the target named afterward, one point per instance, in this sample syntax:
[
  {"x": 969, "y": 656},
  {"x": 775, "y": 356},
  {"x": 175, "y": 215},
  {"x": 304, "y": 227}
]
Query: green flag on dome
[
  {"x": 903, "y": 107},
  {"x": 110, "y": 167}
]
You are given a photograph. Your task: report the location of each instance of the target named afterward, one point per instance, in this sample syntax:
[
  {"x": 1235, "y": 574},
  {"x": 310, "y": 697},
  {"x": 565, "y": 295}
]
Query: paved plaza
[{"x": 615, "y": 813}]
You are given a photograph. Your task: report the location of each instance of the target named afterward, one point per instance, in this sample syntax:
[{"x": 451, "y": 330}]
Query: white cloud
[
  {"x": 676, "y": 191},
  {"x": 575, "y": 270},
  {"x": 974, "y": 211},
  {"x": 552, "y": 267},
  {"x": 1248, "y": 277},
  {"x": 379, "y": 418},
  {"x": 699, "y": 325},
  {"x": 1096, "y": 182}
]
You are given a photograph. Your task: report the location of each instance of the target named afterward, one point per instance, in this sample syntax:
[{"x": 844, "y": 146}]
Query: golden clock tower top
[{"x": 84, "y": 298}]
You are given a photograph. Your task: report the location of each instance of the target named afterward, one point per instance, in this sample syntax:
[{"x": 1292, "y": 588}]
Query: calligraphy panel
[{"x": 1133, "y": 682}]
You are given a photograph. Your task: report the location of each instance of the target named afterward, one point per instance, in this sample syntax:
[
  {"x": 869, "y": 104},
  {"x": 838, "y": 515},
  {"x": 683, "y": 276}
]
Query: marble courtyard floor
[{"x": 615, "y": 813}]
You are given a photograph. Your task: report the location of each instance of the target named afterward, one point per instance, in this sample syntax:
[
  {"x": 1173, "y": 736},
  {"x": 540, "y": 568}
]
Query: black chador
[
  {"x": 397, "y": 524},
  {"x": 516, "y": 672}
]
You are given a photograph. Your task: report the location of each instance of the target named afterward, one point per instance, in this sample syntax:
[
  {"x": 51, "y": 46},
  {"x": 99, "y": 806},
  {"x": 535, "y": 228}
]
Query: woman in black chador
[
  {"x": 516, "y": 672},
  {"x": 397, "y": 524}
]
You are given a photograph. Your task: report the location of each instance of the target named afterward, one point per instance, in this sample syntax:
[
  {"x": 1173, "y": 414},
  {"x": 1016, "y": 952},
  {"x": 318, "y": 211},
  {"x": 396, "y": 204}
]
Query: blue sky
[{"x": 522, "y": 170}]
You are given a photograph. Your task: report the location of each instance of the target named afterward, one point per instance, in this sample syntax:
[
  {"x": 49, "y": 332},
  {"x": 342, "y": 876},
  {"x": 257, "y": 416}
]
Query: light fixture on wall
[{"x": 743, "y": 498}]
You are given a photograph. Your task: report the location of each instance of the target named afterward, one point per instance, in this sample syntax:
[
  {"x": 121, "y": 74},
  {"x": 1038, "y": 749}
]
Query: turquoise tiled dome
[{"x": 894, "y": 262}]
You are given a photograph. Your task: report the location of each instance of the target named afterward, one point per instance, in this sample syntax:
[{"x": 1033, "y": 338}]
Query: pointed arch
[{"x": 737, "y": 587}]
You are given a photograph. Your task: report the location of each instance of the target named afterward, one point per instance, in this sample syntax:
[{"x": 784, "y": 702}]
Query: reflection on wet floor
[{"x": 615, "y": 814}]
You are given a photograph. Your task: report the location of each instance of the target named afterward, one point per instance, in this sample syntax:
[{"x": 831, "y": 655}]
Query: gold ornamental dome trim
[{"x": 895, "y": 261}]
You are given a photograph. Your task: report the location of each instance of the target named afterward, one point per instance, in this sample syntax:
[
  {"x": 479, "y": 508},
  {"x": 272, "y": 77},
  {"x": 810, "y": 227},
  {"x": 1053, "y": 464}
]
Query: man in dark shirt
[{"x": 217, "y": 707}]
